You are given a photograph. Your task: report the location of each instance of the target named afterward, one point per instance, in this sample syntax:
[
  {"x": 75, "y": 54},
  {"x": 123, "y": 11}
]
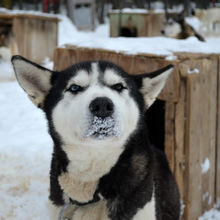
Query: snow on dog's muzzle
[
  {"x": 102, "y": 123},
  {"x": 103, "y": 127}
]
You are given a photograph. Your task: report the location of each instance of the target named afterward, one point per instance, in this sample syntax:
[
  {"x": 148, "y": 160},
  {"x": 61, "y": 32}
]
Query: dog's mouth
[{"x": 101, "y": 128}]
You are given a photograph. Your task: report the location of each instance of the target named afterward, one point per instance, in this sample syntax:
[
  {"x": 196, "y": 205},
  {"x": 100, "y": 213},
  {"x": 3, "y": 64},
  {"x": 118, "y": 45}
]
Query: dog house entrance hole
[
  {"x": 155, "y": 119},
  {"x": 128, "y": 32}
]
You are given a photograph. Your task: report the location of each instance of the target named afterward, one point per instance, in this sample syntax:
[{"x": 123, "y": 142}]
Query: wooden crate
[
  {"x": 32, "y": 36},
  {"x": 135, "y": 24},
  {"x": 192, "y": 117}
]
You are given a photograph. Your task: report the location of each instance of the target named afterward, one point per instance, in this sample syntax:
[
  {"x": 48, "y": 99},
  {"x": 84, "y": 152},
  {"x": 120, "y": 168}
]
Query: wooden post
[
  {"x": 217, "y": 184},
  {"x": 200, "y": 136}
]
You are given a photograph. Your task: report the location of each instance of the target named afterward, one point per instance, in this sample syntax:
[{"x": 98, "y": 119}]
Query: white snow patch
[
  {"x": 205, "y": 166},
  {"x": 47, "y": 63},
  {"x": 130, "y": 11},
  {"x": 6, "y": 71},
  {"x": 99, "y": 39},
  {"x": 25, "y": 154},
  {"x": 193, "y": 71},
  {"x": 26, "y": 12},
  {"x": 205, "y": 196},
  {"x": 212, "y": 214},
  {"x": 171, "y": 57},
  {"x": 182, "y": 207},
  {"x": 194, "y": 22},
  {"x": 103, "y": 128}
]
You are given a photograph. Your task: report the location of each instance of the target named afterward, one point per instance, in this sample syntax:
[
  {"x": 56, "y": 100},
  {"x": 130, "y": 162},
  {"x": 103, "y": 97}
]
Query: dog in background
[
  {"x": 175, "y": 26},
  {"x": 103, "y": 165}
]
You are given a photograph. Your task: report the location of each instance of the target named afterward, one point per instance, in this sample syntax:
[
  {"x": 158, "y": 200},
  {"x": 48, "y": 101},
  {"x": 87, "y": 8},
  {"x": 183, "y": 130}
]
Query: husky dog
[
  {"x": 103, "y": 166},
  {"x": 175, "y": 27}
]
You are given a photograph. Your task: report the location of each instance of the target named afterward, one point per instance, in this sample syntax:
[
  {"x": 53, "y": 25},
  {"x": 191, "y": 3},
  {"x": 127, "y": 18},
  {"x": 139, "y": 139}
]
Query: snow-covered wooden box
[
  {"x": 187, "y": 114},
  {"x": 33, "y": 36},
  {"x": 135, "y": 23}
]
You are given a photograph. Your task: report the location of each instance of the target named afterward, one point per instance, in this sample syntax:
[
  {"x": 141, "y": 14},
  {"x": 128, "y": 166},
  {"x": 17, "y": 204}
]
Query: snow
[
  {"x": 194, "y": 22},
  {"x": 212, "y": 214},
  {"x": 103, "y": 127},
  {"x": 29, "y": 12},
  {"x": 193, "y": 71},
  {"x": 143, "y": 45},
  {"x": 25, "y": 153},
  {"x": 7, "y": 72},
  {"x": 205, "y": 166}
]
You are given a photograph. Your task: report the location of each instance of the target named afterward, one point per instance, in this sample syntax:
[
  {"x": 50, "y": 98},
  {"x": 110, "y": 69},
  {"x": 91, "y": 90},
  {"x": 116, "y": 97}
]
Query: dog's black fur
[{"x": 141, "y": 169}]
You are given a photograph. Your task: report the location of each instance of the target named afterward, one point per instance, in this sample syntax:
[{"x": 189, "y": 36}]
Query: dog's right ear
[{"x": 33, "y": 78}]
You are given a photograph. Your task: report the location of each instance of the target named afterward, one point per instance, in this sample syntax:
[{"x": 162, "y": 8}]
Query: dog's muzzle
[{"x": 102, "y": 123}]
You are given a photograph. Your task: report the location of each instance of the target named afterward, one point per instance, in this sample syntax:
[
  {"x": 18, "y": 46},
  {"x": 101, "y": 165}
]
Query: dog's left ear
[
  {"x": 33, "y": 78},
  {"x": 151, "y": 84}
]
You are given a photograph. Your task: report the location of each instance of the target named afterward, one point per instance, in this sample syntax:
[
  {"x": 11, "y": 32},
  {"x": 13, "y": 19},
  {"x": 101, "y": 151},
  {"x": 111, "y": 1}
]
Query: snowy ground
[
  {"x": 25, "y": 148},
  {"x": 25, "y": 152}
]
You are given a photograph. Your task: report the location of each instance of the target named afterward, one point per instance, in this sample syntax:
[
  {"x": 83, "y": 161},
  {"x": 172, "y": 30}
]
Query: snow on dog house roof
[
  {"x": 10, "y": 14},
  {"x": 159, "y": 46}
]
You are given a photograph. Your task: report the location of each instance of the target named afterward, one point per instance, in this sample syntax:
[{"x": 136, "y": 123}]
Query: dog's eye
[
  {"x": 75, "y": 88},
  {"x": 118, "y": 87}
]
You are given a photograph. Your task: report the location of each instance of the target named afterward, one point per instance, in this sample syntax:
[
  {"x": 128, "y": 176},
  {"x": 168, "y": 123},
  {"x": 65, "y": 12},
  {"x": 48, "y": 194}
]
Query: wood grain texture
[
  {"x": 170, "y": 133},
  {"x": 200, "y": 136},
  {"x": 36, "y": 38},
  {"x": 217, "y": 199}
]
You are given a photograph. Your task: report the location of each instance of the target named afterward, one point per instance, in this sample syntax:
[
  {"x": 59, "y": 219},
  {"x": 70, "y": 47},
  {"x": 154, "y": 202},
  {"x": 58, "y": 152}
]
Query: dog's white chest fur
[
  {"x": 147, "y": 212},
  {"x": 90, "y": 163}
]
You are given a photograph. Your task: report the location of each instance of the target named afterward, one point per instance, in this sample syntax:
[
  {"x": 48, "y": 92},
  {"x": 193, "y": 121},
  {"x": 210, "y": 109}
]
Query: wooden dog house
[
  {"x": 189, "y": 113},
  {"x": 135, "y": 23},
  {"x": 33, "y": 36}
]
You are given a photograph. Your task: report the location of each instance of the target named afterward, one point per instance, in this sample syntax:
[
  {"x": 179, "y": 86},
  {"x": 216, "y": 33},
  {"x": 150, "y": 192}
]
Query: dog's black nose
[
  {"x": 101, "y": 107},
  {"x": 162, "y": 32}
]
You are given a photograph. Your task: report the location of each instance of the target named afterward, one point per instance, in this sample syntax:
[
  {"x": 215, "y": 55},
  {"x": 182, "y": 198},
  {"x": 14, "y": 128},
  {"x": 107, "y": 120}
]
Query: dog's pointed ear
[
  {"x": 33, "y": 78},
  {"x": 151, "y": 84}
]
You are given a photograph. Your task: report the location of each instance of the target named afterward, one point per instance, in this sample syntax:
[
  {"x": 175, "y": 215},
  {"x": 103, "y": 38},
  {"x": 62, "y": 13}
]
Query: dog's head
[
  {"x": 173, "y": 25},
  {"x": 90, "y": 103}
]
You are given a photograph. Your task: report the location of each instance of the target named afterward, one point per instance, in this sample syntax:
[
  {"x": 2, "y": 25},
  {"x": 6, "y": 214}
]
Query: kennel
[
  {"x": 135, "y": 23},
  {"x": 33, "y": 36},
  {"x": 186, "y": 113}
]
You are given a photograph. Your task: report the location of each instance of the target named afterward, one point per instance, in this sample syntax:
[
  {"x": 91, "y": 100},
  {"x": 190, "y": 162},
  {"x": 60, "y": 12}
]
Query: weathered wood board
[{"x": 218, "y": 141}]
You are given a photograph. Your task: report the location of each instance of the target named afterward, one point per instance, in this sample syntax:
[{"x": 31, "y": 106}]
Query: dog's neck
[
  {"x": 90, "y": 163},
  {"x": 87, "y": 164}
]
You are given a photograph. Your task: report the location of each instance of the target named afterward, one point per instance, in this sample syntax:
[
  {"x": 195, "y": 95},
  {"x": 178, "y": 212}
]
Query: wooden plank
[
  {"x": 170, "y": 133},
  {"x": 63, "y": 58},
  {"x": 193, "y": 168},
  {"x": 180, "y": 125},
  {"x": 217, "y": 199},
  {"x": 200, "y": 136}
]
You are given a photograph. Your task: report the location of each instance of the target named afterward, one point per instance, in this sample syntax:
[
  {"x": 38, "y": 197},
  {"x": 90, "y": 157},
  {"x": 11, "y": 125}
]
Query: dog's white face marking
[
  {"x": 171, "y": 28},
  {"x": 82, "y": 79},
  {"x": 76, "y": 125},
  {"x": 72, "y": 117}
]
